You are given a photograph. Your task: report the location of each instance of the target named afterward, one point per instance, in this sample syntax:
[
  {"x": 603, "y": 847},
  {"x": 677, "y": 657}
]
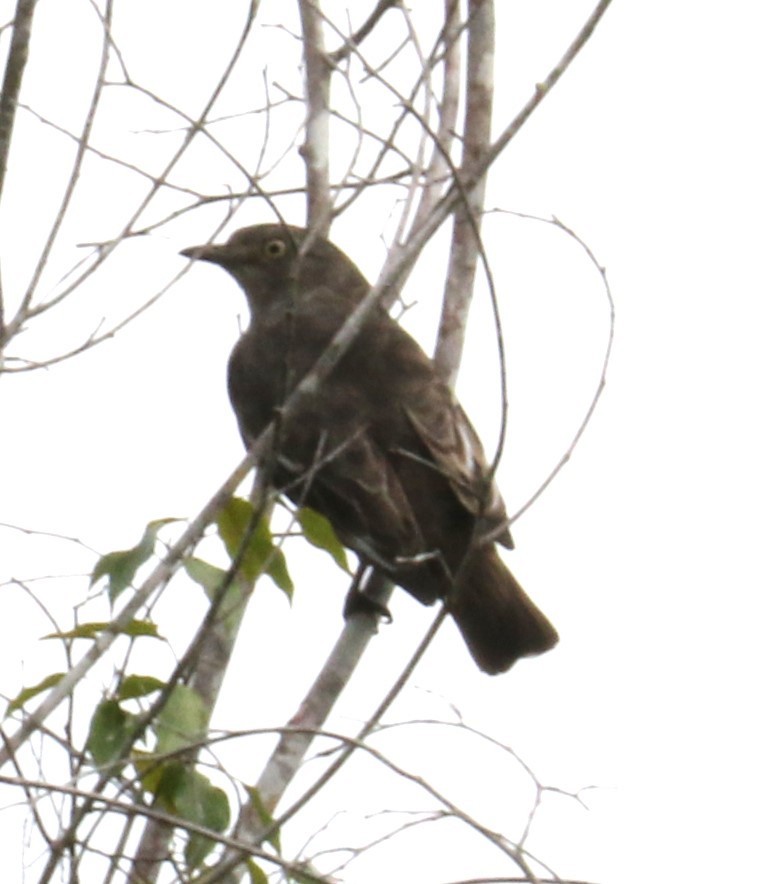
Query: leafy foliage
[
  {"x": 28, "y": 693},
  {"x": 173, "y": 784},
  {"x": 121, "y": 566},
  {"x": 134, "y": 629},
  {"x": 182, "y": 721},
  {"x": 190, "y": 795},
  {"x": 247, "y": 535},
  {"x": 110, "y": 728},
  {"x": 318, "y": 531}
]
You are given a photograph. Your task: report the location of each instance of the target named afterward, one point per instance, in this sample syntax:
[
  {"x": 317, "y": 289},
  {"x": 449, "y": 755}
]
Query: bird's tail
[{"x": 498, "y": 621}]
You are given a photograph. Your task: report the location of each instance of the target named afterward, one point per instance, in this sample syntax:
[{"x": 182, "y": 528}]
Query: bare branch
[
  {"x": 104, "y": 252},
  {"x": 467, "y": 219},
  {"x": 436, "y": 175},
  {"x": 24, "y": 312},
  {"x": 545, "y": 87},
  {"x": 601, "y": 381},
  {"x": 12, "y": 81},
  {"x": 9, "y": 100},
  {"x": 359, "y": 35},
  {"x": 316, "y": 147}
]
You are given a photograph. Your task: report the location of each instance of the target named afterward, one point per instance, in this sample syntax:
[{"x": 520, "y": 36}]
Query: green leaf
[
  {"x": 169, "y": 783},
  {"x": 140, "y": 627},
  {"x": 264, "y": 815},
  {"x": 203, "y": 803},
  {"x": 318, "y": 531},
  {"x": 197, "y": 850},
  {"x": 83, "y": 630},
  {"x": 138, "y": 686},
  {"x": 211, "y": 579},
  {"x": 191, "y": 796},
  {"x": 257, "y": 875},
  {"x": 109, "y": 730},
  {"x": 182, "y": 721},
  {"x": 92, "y": 630},
  {"x": 208, "y": 577},
  {"x": 121, "y": 566},
  {"x": 278, "y": 571},
  {"x": 260, "y": 555},
  {"x": 149, "y": 770},
  {"x": 26, "y": 693}
]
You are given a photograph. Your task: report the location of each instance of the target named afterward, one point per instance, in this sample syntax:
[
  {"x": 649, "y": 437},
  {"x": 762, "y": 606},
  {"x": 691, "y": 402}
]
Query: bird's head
[{"x": 273, "y": 260}]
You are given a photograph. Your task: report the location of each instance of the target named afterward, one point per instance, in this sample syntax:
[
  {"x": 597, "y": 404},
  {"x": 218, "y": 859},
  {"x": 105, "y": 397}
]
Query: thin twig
[
  {"x": 360, "y": 34},
  {"x": 587, "y": 417},
  {"x": 196, "y": 126},
  {"x": 26, "y": 311}
]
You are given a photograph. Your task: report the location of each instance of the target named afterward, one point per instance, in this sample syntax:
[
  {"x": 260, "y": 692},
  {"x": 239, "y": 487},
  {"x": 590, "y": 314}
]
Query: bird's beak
[{"x": 213, "y": 252}]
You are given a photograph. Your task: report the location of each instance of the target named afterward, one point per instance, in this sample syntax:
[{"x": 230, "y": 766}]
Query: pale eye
[{"x": 275, "y": 248}]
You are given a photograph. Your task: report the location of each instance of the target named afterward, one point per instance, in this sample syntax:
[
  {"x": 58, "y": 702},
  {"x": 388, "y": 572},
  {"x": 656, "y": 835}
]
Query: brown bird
[{"x": 382, "y": 449}]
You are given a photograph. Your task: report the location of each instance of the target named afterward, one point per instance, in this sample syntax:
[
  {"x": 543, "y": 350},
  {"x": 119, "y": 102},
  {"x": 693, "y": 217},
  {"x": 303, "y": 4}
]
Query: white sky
[{"x": 655, "y": 552}]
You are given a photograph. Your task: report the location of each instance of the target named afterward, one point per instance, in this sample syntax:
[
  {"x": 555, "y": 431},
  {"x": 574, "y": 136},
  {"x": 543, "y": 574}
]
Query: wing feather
[{"x": 456, "y": 450}]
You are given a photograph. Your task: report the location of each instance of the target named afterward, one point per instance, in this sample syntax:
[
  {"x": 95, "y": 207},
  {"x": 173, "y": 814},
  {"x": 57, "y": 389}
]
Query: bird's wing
[
  {"x": 347, "y": 476},
  {"x": 445, "y": 431}
]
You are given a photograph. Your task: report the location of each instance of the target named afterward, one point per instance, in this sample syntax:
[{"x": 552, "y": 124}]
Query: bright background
[{"x": 656, "y": 551}]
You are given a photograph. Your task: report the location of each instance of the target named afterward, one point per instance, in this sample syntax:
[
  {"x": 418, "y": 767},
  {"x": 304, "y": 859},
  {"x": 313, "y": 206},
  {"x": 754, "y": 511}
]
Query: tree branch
[
  {"x": 315, "y": 150},
  {"x": 359, "y": 35},
  {"x": 466, "y": 234},
  {"x": 9, "y": 101}
]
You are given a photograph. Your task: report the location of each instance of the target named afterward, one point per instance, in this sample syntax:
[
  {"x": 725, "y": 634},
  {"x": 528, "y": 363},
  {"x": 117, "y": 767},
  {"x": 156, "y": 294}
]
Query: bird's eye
[{"x": 275, "y": 248}]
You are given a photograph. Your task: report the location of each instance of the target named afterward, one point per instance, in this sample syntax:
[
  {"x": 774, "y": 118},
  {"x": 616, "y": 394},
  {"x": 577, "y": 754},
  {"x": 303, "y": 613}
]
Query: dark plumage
[{"x": 383, "y": 449}]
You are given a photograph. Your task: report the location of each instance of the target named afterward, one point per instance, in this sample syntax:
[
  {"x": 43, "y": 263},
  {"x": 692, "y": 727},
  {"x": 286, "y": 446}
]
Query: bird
[{"x": 382, "y": 448}]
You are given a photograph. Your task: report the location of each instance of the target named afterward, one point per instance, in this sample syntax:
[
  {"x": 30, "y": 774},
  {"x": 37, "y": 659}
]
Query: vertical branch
[
  {"x": 467, "y": 217},
  {"x": 287, "y": 758},
  {"x": 212, "y": 654},
  {"x": 203, "y": 667},
  {"x": 435, "y": 177},
  {"x": 12, "y": 83},
  {"x": 315, "y": 150}
]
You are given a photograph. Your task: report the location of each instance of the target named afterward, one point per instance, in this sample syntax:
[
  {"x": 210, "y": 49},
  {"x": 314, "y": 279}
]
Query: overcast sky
[{"x": 656, "y": 552}]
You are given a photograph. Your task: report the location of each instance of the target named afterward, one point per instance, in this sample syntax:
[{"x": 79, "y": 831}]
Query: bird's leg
[{"x": 358, "y": 602}]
